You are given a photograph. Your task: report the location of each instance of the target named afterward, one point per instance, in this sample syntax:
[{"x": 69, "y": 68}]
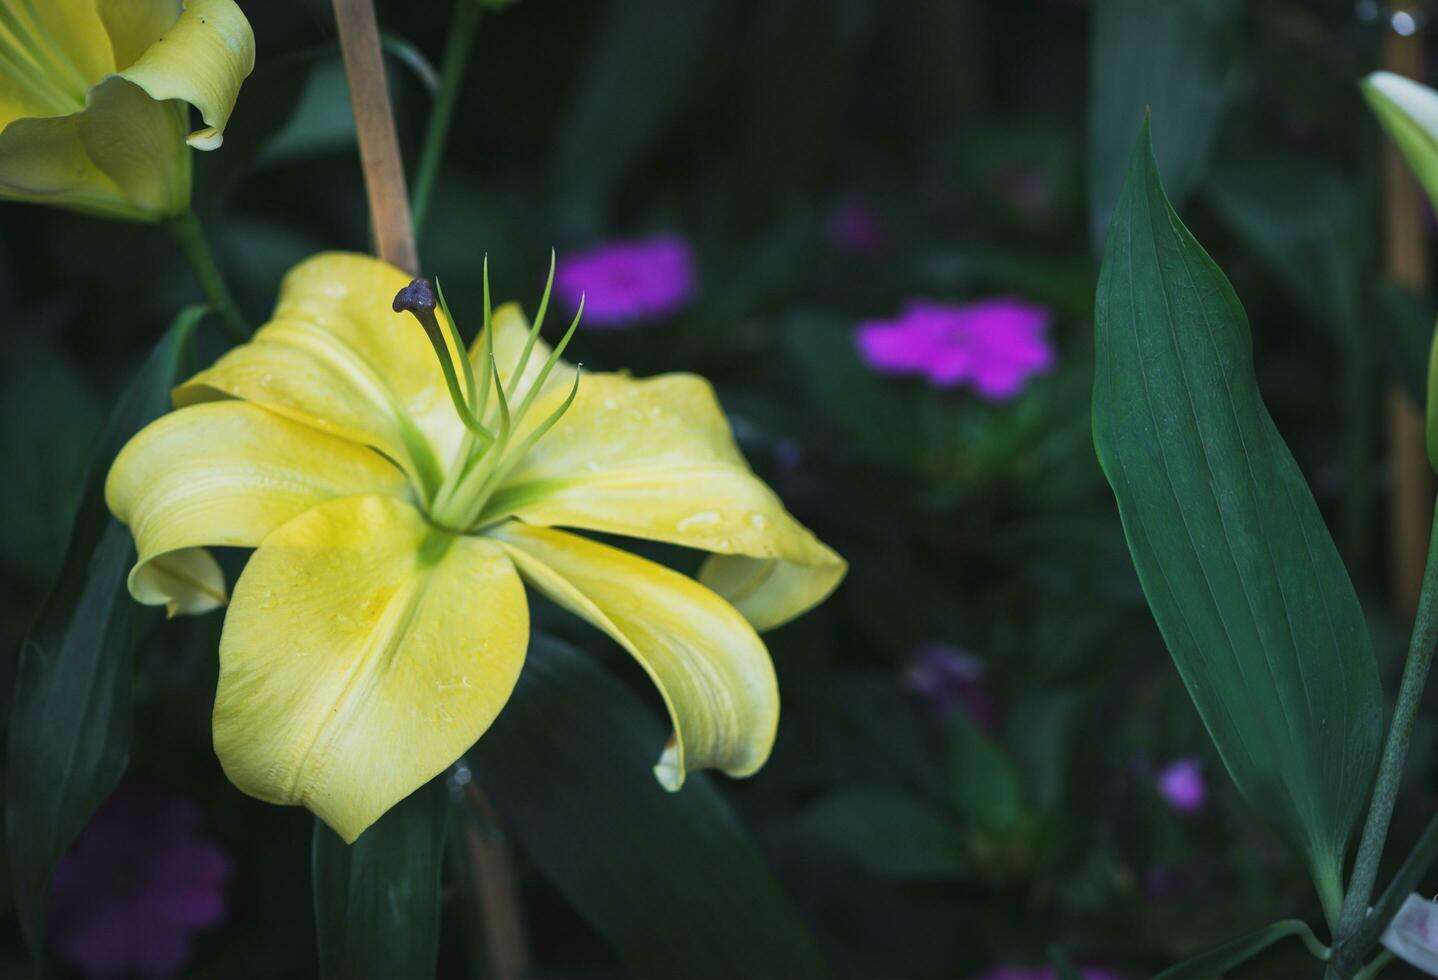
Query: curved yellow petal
[
  {"x": 134, "y": 25},
  {"x": 225, "y": 473},
  {"x": 44, "y": 161},
  {"x": 202, "y": 59},
  {"x": 710, "y": 666},
  {"x": 655, "y": 459},
  {"x": 337, "y": 357},
  {"x": 139, "y": 144},
  {"x": 364, "y": 651}
]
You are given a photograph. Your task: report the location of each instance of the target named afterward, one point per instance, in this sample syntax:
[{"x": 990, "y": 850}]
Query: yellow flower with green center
[
  {"x": 95, "y": 97},
  {"x": 396, "y": 500}
]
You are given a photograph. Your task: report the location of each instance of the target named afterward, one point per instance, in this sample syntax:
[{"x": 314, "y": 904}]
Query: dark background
[{"x": 987, "y": 136}]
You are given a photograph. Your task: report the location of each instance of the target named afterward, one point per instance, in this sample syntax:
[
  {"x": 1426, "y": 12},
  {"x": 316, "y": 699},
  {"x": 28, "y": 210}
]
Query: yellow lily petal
[
  {"x": 136, "y": 141},
  {"x": 201, "y": 59},
  {"x": 655, "y": 459},
  {"x": 70, "y": 33},
  {"x": 225, "y": 473},
  {"x": 335, "y": 356},
  {"x": 363, "y": 653},
  {"x": 710, "y": 666},
  {"x": 44, "y": 161},
  {"x": 133, "y": 25}
]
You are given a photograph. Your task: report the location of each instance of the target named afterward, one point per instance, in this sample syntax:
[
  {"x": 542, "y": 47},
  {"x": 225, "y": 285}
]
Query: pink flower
[
  {"x": 859, "y": 229},
  {"x": 141, "y": 880},
  {"x": 1181, "y": 785},
  {"x": 627, "y": 282},
  {"x": 995, "y": 346}
]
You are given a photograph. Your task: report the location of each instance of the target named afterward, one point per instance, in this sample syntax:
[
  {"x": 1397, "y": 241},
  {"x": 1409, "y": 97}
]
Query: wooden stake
[
  {"x": 378, "y": 141},
  {"x": 1410, "y": 501}
]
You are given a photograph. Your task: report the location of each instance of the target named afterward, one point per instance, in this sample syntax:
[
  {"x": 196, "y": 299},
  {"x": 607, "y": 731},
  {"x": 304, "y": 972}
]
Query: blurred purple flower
[
  {"x": 995, "y": 345},
  {"x": 1005, "y": 972},
  {"x": 951, "y": 679},
  {"x": 788, "y": 454},
  {"x": 858, "y": 228},
  {"x": 141, "y": 880},
  {"x": 1181, "y": 785},
  {"x": 627, "y": 282},
  {"x": 1173, "y": 882}
]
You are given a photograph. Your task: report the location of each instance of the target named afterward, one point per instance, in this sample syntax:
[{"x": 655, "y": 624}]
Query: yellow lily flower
[
  {"x": 95, "y": 96},
  {"x": 396, "y": 500}
]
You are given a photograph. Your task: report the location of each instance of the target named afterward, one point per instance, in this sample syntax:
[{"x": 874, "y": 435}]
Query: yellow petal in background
[
  {"x": 201, "y": 59},
  {"x": 139, "y": 144},
  {"x": 133, "y": 25},
  {"x": 710, "y": 666},
  {"x": 337, "y": 357},
  {"x": 364, "y": 651},
  {"x": 44, "y": 161},
  {"x": 225, "y": 473},
  {"x": 655, "y": 459}
]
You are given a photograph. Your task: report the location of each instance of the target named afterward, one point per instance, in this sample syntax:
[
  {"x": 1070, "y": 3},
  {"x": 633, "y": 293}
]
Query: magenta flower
[
  {"x": 1181, "y": 785},
  {"x": 136, "y": 887},
  {"x": 951, "y": 679},
  {"x": 995, "y": 345},
  {"x": 858, "y": 228},
  {"x": 625, "y": 283}
]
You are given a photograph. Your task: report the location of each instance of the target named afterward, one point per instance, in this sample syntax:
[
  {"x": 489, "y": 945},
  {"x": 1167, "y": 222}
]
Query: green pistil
[{"x": 485, "y": 457}]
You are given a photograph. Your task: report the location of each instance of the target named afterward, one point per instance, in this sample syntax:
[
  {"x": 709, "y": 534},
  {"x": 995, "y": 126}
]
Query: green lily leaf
[
  {"x": 1161, "y": 55},
  {"x": 1224, "y": 957},
  {"x": 1238, "y": 568},
  {"x": 70, "y": 721},
  {"x": 377, "y": 901},
  {"x": 985, "y": 781},
  {"x": 671, "y": 881},
  {"x": 887, "y": 834},
  {"x": 642, "y": 63}
]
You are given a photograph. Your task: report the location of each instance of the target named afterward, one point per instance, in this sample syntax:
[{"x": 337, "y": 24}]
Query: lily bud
[{"x": 100, "y": 97}]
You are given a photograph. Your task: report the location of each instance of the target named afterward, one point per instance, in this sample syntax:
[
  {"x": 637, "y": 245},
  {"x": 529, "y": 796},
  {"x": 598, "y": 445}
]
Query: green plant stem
[
  {"x": 1379, "y": 964},
  {"x": 1390, "y": 768},
  {"x": 190, "y": 236},
  {"x": 1419, "y": 860},
  {"x": 459, "y": 42}
]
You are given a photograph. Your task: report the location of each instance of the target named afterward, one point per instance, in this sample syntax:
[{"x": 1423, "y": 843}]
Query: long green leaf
[
  {"x": 670, "y": 880},
  {"x": 1222, "y": 958},
  {"x": 70, "y": 720},
  {"x": 377, "y": 901},
  {"x": 1161, "y": 55},
  {"x": 1238, "y": 568}
]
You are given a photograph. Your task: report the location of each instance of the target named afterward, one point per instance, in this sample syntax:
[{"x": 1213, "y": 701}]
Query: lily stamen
[{"x": 418, "y": 299}]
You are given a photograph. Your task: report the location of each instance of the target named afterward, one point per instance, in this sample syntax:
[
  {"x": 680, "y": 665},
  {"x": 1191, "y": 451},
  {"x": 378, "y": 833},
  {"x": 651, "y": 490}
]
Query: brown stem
[
  {"x": 378, "y": 141},
  {"x": 498, "y": 896}
]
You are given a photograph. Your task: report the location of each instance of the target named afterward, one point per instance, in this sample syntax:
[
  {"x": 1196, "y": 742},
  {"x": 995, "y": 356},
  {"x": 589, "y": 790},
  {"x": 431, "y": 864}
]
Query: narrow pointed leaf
[
  {"x": 69, "y": 732},
  {"x": 1234, "y": 558},
  {"x": 1224, "y": 957},
  {"x": 377, "y": 901},
  {"x": 670, "y": 880}
]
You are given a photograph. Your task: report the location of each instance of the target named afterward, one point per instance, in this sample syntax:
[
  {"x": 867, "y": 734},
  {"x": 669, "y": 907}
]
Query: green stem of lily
[
  {"x": 1379, "y": 964},
  {"x": 459, "y": 42},
  {"x": 190, "y": 236},
  {"x": 1390, "y": 768},
  {"x": 1419, "y": 860}
]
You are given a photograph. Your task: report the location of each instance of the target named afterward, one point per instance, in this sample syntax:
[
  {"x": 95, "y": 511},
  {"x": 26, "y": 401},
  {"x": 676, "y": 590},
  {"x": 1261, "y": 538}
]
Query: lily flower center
[{"x": 496, "y": 438}]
